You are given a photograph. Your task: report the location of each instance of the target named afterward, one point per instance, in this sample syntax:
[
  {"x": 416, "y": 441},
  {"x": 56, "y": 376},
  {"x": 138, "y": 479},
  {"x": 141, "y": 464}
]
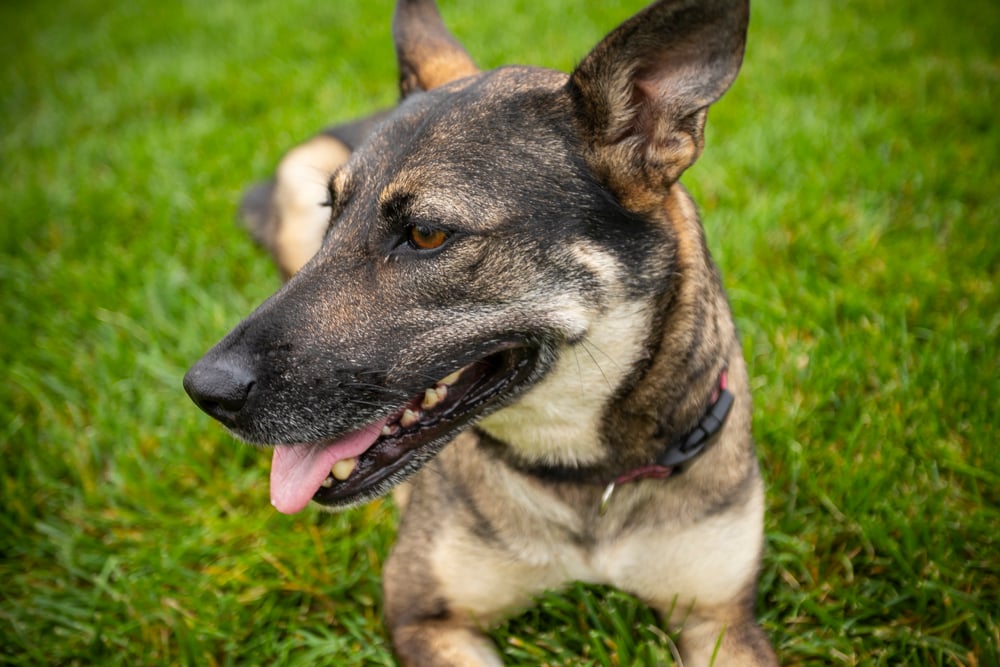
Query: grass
[{"x": 851, "y": 195}]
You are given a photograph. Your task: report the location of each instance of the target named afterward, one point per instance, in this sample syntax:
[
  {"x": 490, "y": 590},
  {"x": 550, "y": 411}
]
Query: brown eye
[{"x": 426, "y": 238}]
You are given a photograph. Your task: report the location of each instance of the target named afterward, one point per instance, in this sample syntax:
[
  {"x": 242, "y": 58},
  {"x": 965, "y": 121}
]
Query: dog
[{"x": 503, "y": 296}]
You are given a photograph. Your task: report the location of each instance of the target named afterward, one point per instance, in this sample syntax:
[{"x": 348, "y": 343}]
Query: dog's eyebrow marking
[
  {"x": 396, "y": 207},
  {"x": 338, "y": 183}
]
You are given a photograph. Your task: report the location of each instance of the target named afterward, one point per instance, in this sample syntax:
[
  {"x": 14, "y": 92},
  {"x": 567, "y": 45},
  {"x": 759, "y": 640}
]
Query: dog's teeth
[
  {"x": 434, "y": 396},
  {"x": 430, "y": 399},
  {"x": 327, "y": 483},
  {"x": 390, "y": 429},
  {"x": 451, "y": 379},
  {"x": 343, "y": 468},
  {"x": 409, "y": 418}
]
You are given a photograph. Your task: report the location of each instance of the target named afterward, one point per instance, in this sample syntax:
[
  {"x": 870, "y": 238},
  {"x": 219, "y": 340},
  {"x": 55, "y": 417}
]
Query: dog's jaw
[{"x": 370, "y": 460}]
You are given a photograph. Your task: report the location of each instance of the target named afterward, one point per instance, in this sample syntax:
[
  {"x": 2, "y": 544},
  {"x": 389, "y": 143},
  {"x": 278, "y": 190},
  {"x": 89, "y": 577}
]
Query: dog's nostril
[
  {"x": 221, "y": 390},
  {"x": 230, "y": 403}
]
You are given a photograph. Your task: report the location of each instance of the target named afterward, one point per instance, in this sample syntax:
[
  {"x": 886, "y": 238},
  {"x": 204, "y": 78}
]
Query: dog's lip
[{"x": 390, "y": 458}]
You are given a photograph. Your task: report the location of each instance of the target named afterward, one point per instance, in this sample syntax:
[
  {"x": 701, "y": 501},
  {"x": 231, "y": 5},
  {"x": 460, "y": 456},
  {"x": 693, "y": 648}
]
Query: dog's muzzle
[{"x": 343, "y": 455}]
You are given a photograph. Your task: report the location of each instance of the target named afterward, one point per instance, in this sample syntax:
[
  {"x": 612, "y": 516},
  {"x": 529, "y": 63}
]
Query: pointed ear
[
  {"x": 643, "y": 93},
  {"x": 427, "y": 53}
]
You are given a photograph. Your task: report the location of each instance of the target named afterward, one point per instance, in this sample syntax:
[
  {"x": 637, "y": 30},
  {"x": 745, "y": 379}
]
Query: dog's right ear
[
  {"x": 642, "y": 94},
  {"x": 428, "y": 55}
]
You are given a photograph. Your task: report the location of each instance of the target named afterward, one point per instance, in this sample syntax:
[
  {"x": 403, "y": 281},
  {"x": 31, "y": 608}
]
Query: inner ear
[
  {"x": 643, "y": 93},
  {"x": 428, "y": 55}
]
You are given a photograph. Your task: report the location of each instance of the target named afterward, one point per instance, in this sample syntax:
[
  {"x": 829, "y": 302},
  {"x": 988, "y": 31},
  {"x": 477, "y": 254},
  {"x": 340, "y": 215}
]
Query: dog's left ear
[
  {"x": 428, "y": 55},
  {"x": 643, "y": 93}
]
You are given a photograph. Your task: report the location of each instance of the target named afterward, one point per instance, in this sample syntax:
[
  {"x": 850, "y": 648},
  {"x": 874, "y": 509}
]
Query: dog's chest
[{"x": 548, "y": 543}]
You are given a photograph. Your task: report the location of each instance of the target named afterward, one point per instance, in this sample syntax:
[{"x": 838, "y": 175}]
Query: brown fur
[
  {"x": 572, "y": 243},
  {"x": 427, "y": 53}
]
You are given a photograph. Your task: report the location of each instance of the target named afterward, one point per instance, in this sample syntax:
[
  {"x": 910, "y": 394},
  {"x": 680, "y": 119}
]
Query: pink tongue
[{"x": 297, "y": 471}]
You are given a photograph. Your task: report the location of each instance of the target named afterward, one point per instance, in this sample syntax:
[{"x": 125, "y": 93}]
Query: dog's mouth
[{"x": 368, "y": 462}]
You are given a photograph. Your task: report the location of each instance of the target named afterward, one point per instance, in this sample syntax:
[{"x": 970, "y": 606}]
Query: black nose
[{"x": 219, "y": 387}]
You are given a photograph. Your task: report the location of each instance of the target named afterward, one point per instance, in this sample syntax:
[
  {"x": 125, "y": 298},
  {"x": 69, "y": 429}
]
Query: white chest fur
[{"x": 559, "y": 420}]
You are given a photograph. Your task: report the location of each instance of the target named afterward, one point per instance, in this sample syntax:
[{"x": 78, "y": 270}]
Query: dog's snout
[{"x": 219, "y": 388}]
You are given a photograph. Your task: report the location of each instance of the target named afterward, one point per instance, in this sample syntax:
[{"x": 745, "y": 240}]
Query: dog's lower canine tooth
[
  {"x": 343, "y": 468},
  {"x": 409, "y": 418}
]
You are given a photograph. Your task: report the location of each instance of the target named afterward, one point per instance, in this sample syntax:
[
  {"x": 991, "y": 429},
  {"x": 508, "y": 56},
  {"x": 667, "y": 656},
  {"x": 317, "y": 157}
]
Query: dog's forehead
[{"x": 464, "y": 142}]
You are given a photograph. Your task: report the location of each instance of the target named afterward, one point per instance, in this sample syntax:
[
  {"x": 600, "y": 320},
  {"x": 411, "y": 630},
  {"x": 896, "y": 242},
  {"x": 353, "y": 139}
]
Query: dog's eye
[{"x": 425, "y": 238}]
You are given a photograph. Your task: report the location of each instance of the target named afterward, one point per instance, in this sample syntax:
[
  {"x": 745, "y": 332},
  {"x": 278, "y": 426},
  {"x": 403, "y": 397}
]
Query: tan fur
[
  {"x": 428, "y": 55},
  {"x": 485, "y": 529},
  {"x": 300, "y": 190},
  {"x": 559, "y": 420}
]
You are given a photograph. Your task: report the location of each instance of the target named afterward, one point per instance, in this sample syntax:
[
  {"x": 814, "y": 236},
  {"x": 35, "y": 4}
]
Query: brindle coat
[{"x": 568, "y": 235}]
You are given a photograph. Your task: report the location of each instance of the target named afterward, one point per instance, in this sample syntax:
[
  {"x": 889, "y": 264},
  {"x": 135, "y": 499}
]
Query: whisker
[
  {"x": 355, "y": 401},
  {"x": 583, "y": 344},
  {"x": 422, "y": 376},
  {"x": 603, "y": 353},
  {"x": 394, "y": 394},
  {"x": 322, "y": 175},
  {"x": 579, "y": 369}
]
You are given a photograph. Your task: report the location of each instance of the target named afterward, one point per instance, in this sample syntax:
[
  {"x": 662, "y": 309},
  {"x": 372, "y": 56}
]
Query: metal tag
[{"x": 605, "y": 499}]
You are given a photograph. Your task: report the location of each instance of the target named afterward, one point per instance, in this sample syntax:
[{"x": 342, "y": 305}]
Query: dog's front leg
[
  {"x": 721, "y": 641},
  {"x": 443, "y": 585},
  {"x": 428, "y": 625},
  {"x": 444, "y": 644},
  {"x": 459, "y": 565}
]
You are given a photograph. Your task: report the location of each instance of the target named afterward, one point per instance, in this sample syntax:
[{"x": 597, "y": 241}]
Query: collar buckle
[
  {"x": 693, "y": 443},
  {"x": 683, "y": 449}
]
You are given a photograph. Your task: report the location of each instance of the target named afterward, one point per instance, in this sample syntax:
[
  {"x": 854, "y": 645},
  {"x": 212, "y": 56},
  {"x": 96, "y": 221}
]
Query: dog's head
[{"x": 482, "y": 231}]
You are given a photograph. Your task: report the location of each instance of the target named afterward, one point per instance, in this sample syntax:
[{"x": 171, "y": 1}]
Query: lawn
[{"x": 851, "y": 194}]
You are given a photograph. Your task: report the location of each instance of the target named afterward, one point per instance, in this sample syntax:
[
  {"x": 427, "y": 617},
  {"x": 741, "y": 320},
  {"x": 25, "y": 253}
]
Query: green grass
[{"x": 851, "y": 195}]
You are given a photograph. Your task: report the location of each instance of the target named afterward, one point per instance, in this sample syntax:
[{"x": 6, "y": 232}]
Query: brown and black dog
[{"x": 508, "y": 301}]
